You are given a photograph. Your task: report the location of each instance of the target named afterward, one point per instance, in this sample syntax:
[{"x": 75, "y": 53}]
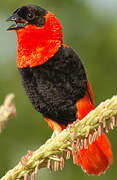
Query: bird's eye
[{"x": 30, "y": 16}]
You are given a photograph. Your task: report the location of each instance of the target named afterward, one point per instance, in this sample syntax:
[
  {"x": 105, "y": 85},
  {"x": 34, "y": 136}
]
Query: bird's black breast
[{"x": 54, "y": 87}]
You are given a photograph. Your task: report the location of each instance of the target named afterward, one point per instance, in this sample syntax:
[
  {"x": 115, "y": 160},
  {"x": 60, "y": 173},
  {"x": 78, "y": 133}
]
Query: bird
[{"x": 55, "y": 80}]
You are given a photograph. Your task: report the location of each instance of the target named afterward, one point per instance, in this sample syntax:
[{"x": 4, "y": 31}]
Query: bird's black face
[{"x": 26, "y": 15}]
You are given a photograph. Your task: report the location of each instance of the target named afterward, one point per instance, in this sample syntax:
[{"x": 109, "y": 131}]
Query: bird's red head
[{"x": 39, "y": 35}]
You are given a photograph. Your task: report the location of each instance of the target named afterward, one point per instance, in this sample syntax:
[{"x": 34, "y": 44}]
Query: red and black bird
[{"x": 55, "y": 80}]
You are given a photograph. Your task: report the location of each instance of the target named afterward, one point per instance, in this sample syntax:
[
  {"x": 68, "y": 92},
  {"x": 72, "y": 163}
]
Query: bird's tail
[{"x": 97, "y": 158}]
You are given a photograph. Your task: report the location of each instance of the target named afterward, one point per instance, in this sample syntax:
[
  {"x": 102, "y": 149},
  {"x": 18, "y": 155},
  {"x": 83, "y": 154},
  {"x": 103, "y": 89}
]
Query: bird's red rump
[{"x": 97, "y": 158}]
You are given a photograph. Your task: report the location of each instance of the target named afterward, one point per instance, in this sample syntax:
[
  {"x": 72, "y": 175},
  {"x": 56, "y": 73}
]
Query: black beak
[
  {"x": 20, "y": 22},
  {"x": 12, "y": 18}
]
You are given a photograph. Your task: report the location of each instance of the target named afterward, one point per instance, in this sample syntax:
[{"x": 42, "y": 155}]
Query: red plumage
[{"x": 98, "y": 157}]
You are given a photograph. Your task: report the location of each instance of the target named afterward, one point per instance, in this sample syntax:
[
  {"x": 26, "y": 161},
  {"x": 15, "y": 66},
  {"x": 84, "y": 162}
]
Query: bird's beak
[{"x": 19, "y": 22}]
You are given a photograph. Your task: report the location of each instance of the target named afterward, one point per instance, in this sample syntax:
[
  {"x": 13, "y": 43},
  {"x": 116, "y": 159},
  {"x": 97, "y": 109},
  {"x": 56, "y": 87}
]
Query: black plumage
[{"x": 55, "y": 86}]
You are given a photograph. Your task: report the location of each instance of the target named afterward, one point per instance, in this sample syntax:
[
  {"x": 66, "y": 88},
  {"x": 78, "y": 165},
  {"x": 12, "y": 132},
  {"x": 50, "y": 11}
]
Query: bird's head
[
  {"x": 33, "y": 20},
  {"x": 39, "y": 34}
]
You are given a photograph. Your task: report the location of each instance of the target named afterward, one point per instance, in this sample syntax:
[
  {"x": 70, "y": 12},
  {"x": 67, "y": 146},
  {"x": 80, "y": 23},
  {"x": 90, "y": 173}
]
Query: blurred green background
[{"x": 90, "y": 27}]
